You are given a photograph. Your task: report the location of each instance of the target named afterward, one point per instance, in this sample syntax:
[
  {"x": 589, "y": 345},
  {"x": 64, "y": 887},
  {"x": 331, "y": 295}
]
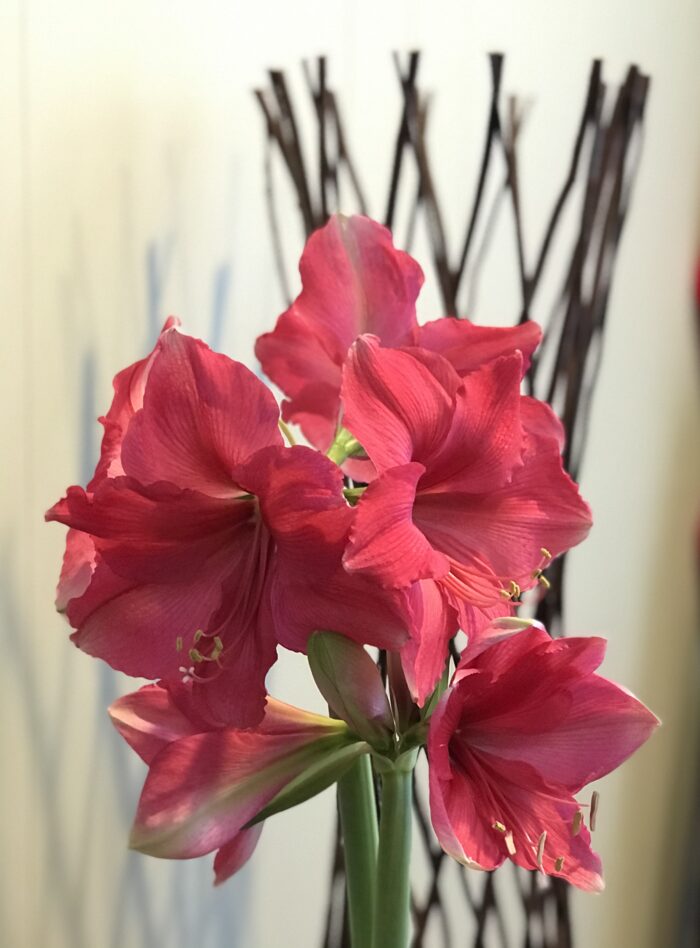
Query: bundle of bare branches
[{"x": 601, "y": 171}]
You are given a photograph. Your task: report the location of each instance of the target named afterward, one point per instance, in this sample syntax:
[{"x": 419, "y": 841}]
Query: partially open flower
[{"x": 205, "y": 785}]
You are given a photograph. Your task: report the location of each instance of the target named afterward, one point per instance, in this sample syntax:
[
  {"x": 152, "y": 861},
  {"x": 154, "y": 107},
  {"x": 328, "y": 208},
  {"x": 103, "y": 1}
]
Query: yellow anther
[
  {"x": 198, "y": 635},
  {"x": 559, "y": 864},
  {"x": 545, "y": 553},
  {"x": 540, "y": 848},
  {"x": 514, "y": 590},
  {"x": 544, "y": 582},
  {"x": 195, "y": 655},
  {"x": 499, "y": 826},
  {"x": 577, "y": 823},
  {"x": 595, "y": 798},
  {"x": 178, "y": 644},
  {"x": 510, "y": 844}
]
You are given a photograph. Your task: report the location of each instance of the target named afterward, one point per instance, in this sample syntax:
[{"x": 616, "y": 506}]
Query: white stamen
[{"x": 540, "y": 848}]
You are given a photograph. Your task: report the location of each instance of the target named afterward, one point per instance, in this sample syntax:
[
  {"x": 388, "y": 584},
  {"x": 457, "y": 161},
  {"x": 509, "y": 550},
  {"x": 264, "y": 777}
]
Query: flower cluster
[{"x": 432, "y": 497}]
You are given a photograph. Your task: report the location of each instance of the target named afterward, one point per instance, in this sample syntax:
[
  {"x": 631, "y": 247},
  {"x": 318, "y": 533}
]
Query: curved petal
[
  {"x": 393, "y": 404},
  {"x": 510, "y": 525},
  {"x": 485, "y": 441},
  {"x": 77, "y": 569},
  {"x": 149, "y": 720},
  {"x": 146, "y": 630},
  {"x": 571, "y": 731},
  {"x": 354, "y": 281},
  {"x": 325, "y": 596},
  {"x": 467, "y": 346},
  {"x": 540, "y": 422},
  {"x": 316, "y": 410},
  {"x": 129, "y": 387},
  {"x": 152, "y": 533},
  {"x": 202, "y": 415},
  {"x": 300, "y": 493},
  {"x": 425, "y": 654},
  {"x": 235, "y": 854},
  {"x": 232, "y": 689},
  {"x": 384, "y": 541}
]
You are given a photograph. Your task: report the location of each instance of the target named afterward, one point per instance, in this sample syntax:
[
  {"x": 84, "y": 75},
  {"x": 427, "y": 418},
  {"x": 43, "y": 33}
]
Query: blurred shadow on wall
[{"x": 672, "y": 769}]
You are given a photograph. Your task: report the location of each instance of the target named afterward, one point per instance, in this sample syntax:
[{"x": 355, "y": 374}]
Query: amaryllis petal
[
  {"x": 393, "y": 404},
  {"x": 333, "y": 599},
  {"x": 154, "y": 532},
  {"x": 235, "y": 854},
  {"x": 147, "y": 630},
  {"x": 592, "y": 735},
  {"x": 300, "y": 495},
  {"x": 129, "y": 388},
  {"x": 235, "y": 691},
  {"x": 510, "y": 526},
  {"x": 484, "y": 444},
  {"x": 384, "y": 541},
  {"x": 202, "y": 415},
  {"x": 540, "y": 422},
  {"x": 149, "y": 720},
  {"x": 354, "y": 281},
  {"x": 424, "y": 655},
  {"x": 467, "y": 346},
  {"x": 78, "y": 566}
]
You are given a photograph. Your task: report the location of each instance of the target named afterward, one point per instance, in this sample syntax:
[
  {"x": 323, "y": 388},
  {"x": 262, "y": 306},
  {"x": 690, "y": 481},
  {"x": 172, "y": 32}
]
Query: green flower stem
[
  {"x": 344, "y": 446},
  {"x": 358, "y": 816},
  {"x": 391, "y": 918}
]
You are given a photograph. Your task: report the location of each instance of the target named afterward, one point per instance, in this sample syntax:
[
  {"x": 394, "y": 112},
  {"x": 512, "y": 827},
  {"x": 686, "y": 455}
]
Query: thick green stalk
[
  {"x": 391, "y": 918},
  {"x": 358, "y": 816}
]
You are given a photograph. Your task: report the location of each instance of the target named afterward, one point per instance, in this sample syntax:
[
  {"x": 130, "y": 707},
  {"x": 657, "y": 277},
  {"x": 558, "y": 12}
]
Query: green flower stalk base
[
  {"x": 377, "y": 864},
  {"x": 391, "y": 916},
  {"x": 358, "y": 816}
]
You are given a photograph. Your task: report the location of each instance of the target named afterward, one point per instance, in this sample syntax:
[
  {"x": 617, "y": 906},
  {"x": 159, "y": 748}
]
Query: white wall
[{"x": 130, "y": 184}]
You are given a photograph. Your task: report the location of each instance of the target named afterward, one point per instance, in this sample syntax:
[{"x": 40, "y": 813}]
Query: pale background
[{"x": 130, "y": 188}]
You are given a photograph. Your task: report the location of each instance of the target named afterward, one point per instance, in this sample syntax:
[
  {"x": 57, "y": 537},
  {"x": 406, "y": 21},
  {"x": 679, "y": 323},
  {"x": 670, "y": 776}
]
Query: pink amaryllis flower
[
  {"x": 471, "y": 499},
  {"x": 525, "y": 724},
  {"x": 355, "y": 281},
  {"x": 203, "y": 542},
  {"x": 205, "y": 784}
]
